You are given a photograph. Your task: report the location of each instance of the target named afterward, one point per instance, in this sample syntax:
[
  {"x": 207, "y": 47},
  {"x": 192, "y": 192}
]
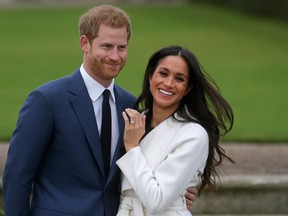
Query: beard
[{"x": 105, "y": 70}]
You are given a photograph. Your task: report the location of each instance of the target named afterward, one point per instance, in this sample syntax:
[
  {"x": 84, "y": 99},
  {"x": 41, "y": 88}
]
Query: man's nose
[{"x": 114, "y": 54}]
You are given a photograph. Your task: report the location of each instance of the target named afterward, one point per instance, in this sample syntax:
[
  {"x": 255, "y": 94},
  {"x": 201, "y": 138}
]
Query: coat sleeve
[
  {"x": 159, "y": 189},
  {"x": 27, "y": 148}
]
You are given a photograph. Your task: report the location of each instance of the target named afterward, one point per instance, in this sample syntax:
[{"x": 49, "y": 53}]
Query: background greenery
[
  {"x": 266, "y": 8},
  {"x": 246, "y": 55}
]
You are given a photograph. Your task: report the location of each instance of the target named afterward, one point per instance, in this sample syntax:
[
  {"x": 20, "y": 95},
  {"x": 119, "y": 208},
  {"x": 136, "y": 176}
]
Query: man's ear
[{"x": 84, "y": 43}]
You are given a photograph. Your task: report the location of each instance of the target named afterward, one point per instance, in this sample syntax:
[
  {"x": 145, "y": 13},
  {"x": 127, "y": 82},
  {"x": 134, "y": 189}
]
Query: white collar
[{"x": 94, "y": 88}]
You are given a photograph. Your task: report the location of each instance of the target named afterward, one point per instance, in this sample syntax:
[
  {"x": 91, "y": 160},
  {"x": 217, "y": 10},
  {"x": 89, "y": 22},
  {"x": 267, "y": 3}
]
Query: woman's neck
[{"x": 159, "y": 115}]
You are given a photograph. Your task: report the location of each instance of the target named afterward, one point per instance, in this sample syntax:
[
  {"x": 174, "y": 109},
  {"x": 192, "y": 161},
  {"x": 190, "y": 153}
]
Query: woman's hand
[
  {"x": 134, "y": 128},
  {"x": 190, "y": 196}
]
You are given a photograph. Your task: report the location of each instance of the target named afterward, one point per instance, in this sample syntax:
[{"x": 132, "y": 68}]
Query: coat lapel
[{"x": 83, "y": 108}]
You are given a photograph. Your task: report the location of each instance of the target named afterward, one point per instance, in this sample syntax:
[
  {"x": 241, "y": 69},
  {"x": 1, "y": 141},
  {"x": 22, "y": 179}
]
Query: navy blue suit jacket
[{"x": 55, "y": 154}]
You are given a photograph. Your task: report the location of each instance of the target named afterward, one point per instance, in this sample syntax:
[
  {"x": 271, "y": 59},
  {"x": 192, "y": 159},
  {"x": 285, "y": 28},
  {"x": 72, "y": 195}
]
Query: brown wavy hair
[{"x": 104, "y": 14}]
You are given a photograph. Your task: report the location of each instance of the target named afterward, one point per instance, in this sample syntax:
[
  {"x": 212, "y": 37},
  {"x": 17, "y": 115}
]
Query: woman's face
[{"x": 169, "y": 83}]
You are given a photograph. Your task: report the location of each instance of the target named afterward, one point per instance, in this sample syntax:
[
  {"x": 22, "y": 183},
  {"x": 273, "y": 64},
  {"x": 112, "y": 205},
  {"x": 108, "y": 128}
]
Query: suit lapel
[{"x": 83, "y": 108}]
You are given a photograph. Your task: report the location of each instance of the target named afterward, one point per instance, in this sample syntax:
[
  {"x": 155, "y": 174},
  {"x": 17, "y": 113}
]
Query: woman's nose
[{"x": 169, "y": 82}]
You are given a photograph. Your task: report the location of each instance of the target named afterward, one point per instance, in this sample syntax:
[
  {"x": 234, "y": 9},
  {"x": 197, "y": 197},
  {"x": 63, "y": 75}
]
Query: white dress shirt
[{"x": 95, "y": 91}]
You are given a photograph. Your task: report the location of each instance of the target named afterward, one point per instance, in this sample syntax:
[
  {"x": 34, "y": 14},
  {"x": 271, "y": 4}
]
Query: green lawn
[{"x": 247, "y": 56}]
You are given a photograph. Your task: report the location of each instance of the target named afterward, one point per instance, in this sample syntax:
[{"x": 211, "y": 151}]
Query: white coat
[{"x": 169, "y": 159}]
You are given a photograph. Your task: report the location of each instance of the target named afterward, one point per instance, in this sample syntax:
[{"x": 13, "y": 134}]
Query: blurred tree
[{"x": 269, "y": 8}]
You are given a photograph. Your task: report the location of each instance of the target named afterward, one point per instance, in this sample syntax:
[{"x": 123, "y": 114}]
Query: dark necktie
[{"x": 106, "y": 131}]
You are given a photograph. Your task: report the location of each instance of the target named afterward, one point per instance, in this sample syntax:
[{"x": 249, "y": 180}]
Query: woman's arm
[{"x": 159, "y": 189}]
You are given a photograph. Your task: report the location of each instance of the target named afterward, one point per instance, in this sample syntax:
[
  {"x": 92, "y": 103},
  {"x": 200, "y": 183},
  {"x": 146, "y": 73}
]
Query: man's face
[{"x": 106, "y": 55}]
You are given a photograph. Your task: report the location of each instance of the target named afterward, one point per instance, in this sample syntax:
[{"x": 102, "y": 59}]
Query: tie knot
[{"x": 106, "y": 94}]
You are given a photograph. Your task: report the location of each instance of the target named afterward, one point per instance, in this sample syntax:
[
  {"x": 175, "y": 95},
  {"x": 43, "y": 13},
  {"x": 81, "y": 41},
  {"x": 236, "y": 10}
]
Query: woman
[{"x": 172, "y": 144}]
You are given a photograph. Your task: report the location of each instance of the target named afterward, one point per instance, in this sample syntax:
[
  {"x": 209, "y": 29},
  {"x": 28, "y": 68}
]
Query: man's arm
[{"x": 26, "y": 149}]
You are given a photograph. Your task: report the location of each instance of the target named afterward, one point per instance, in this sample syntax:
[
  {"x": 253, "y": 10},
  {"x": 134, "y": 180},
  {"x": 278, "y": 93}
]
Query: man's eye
[
  {"x": 122, "y": 48},
  {"x": 106, "y": 46}
]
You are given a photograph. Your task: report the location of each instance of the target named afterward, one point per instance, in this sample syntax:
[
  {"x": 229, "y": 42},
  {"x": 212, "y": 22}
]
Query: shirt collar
[{"x": 94, "y": 88}]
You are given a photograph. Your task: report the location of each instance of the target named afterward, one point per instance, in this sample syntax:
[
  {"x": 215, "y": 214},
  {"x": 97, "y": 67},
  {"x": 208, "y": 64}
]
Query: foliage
[
  {"x": 266, "y": 8},
  {"x": 246, "y": 56}
]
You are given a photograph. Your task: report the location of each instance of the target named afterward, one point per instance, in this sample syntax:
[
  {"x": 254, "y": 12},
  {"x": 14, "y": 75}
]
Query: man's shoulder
[
  {"x": 57, "y": 84},
  {"x": 124, "y": 93}
]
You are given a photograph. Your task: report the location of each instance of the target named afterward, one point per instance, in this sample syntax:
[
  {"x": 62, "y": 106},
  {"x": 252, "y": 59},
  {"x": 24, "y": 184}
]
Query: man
[{"x": 55, "y": 165}]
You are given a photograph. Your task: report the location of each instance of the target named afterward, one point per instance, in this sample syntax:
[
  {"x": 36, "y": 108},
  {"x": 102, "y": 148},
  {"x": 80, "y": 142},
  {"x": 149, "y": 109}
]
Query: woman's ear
[{"x": 188, "y": 89}]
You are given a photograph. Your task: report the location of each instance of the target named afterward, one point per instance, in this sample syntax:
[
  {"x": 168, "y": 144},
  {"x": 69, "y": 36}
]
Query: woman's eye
[
  {"x": 180, "y": 79},
  {"x": 163, "y": 73}
]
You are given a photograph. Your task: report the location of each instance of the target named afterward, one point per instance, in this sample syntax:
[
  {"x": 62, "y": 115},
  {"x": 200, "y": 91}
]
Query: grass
[{"x": 247, "y": 57}]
